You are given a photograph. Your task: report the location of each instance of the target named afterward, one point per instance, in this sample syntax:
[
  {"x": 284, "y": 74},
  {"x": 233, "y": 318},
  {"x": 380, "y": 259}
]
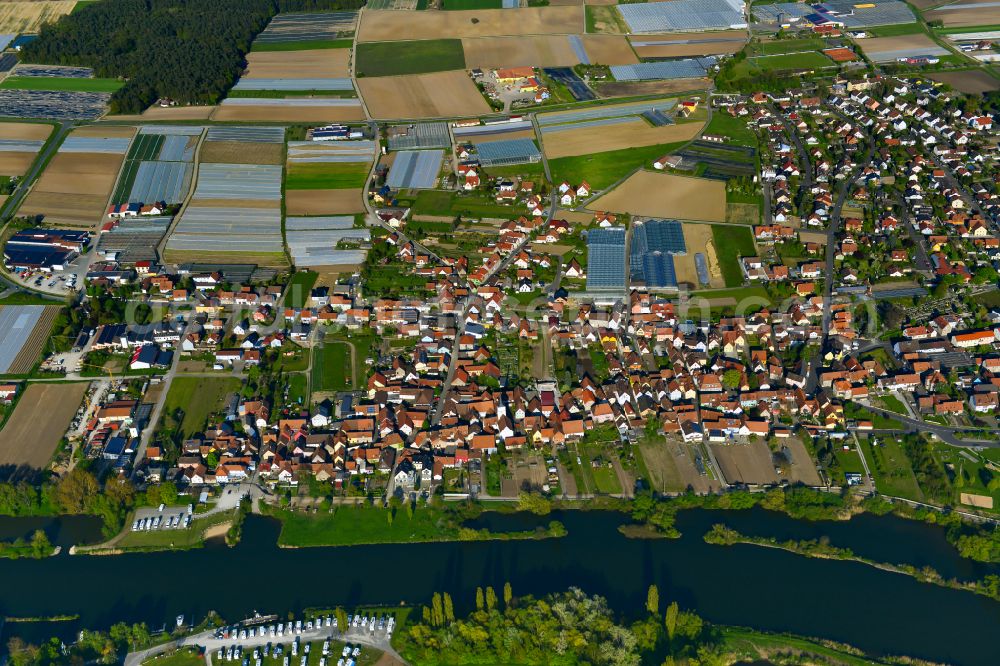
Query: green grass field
[
  {"x": 780, "y": 46},
  {"x": 792, "y": 61},
  {"x": 445, "y": 203},
  {"x": 197, "y": 398},
  {"x": 895, "y": 30},
  {"x": 326, "y": 175},
  {"x": 298, "y": 289},
  {"x": 61, "y": 84},
  {"x": 331, "y": 369},
  {"x": 893, "y": 404},
  {"x": 179, "y": 657},
  {"x": 604, "y": 169},
  {"x": 892, "y": 469},
  {"x": 352, "y": 525},
  {"x": 192, "y": 537},
  {"x": 731, "y": 243},
  {"x": 304, "y": 45},
  {"x": 735, "y": 128},
  {"x": 428, "y": 55}
]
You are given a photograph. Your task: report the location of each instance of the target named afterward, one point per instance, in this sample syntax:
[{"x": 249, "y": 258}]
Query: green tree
[
  {"x": 653, "y": 600},
  {"x": 508, "y": 595},
  {"x": 40, "y": 545},
  {"x": 75, "y": 491},
  {"x": 491, "y": 598},
  {"x": 670, "y": 621},
  {"x": 479, "y": 598},
  {"x": 732, "y": 378},
  {"x": 449, "y": 608},
  {"x": 341, "y": 616},
  {"x": 437, "y": 610},
  {"x": 534, "y": 503}
]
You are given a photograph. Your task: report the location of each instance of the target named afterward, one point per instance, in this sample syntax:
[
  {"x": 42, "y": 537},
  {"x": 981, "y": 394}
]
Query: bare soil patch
[
  {"x": 971, "y": 82},
  {"x": 105, "y": 131},
  {"x": 324, "y": 202},
  {"x": 603, "y": 138},
  {"x": 314, "y": 63},
  {"x": 690, "y": 44},
  {"x": 38, "y": 423},
  {"x": 241, "y": 152},
  {"x": 875, "y": 45},
  {"x": 25, "y": 131},
  {"x": 292, "y": 114},
  {"x": 169, "y": 113},
  {"x": 387, "y": 26},
  {"x": 698, "y": 238},
  {"x": 533, "y": 51},
  {"x": 80, "y": 173},
  {"x": 746, "y": 463},
  {"x": 630, "y": 88},
  {"x": 986, "y": 14},
  {"x": 80, "y": 210},
  {"x": 436, "y": 95},
  {"x": 655, "y": 194},
  {"x": 609, "y": 49},
  {"x": 15, "y": 163},
  {"x": 737, "y": 213},
  {"x": 803, "y": 469}
]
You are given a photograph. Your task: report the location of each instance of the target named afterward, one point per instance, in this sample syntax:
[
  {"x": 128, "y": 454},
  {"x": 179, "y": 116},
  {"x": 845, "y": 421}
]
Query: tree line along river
[{"x": 880, "y": 612}]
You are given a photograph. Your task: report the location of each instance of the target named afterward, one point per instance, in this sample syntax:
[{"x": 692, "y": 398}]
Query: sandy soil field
[
  {"x": 387, "y": 26},
  {"x": 239, "y": 152},
  {"x": 316, "y": 63},
  {"x": 654, "y": 194},
  {"x": 423, "y": 95},
  {"x": 986, "y": 14},
  {"x": 609, "y": 50},
  {"x": 105, "y": 131},
  {"x": 534, "y": 51},
  {"x": 80, "y": 173},
  {"x": 80, "y": 210},
  {"x": 671, "y": 464},
  {"x": 876, "y": 45},
  {"x": 324, "y": 202},
  {"x": 170, "y": 113},
  {"x": 27, "y": 17},
  {"x": 25, "y": 131},
  {"x": 630, "y": 88},
  {"x": 745, "y": 463},
  {"x": 603, "y": 138},
  {"x": 803, "y": 468},
  {"x": 698, "y": 238},
  {"x": 702, "y": 43},
  {"x": 292, "y": 114},
  {"x": 971, "y": 82},
  {"x": 15, "y": 163},
  {"x": 38, "y": 423}
]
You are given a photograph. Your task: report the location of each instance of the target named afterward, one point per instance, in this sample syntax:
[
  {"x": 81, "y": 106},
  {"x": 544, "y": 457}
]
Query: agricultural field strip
[
  {"x": 178, "y": 130},
  {"x": 161, "y": 181},
  {"x": 251, "y": 134},
  {"x": 52, "y": 104},
  {"x": 278, "y": 101},
  {"x": 740, "y": 39},
  {"x": 311, "y": 151},
  {"x": 554, "y": 129},
  {"x": 56, "y": 71},
  {"x": 20, "y": 146},
  {"x": 295, "y": 27},
  {"x": 631, "y": 109},
  {"x": 177, "y": 148},
  {"x": 416, "y": 169},
  {"x": 239, "y": 181},
  {"x": 294, "y": 84},
  {"x": 973, "y": 36},
  {"x": 672, "y": 69},
  {"x": 16, "y": 325},
  {"x": 682, "y": 15},
  {"x": 94, "y": 144},
  {"x": 319, "y": 223}
]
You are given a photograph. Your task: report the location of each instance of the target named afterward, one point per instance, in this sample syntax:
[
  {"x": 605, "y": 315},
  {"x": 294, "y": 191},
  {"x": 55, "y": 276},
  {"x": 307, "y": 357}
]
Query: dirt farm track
[{"x": 38, "y": 423}]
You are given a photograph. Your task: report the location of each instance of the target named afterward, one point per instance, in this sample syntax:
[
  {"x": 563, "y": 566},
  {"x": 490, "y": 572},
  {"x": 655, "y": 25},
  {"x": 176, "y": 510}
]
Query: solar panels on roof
[
  {"x": 654, "y": 242},
  {"x": 606, "y": 258}
]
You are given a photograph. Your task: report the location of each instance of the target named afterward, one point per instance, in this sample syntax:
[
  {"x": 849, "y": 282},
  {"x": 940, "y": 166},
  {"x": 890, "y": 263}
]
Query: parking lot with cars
[{"x": 162, "y": 518}]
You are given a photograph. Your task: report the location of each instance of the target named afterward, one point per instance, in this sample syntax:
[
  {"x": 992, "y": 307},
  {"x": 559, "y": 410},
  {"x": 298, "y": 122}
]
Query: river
[{"x": 878, "y": 611}]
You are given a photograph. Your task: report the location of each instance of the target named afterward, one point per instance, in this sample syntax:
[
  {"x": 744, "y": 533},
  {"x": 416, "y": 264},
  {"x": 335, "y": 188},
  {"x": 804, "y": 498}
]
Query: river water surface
[{"x": 878, "y": 611}]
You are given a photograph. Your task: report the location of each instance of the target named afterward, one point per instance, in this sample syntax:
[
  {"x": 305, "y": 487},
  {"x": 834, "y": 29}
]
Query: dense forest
[{"x": 188, "y": 50}]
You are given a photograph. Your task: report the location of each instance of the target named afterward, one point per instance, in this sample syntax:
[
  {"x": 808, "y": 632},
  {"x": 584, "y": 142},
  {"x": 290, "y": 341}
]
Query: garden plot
[
  {"x": 304, "y": 110},
  {"x": 298, "y": 64},
  {"x": 685, "y": 44},
  {"x": 52, "y": 104},
  {"x": 415, "y": 169},
  {"x": 746, "y": 463},
  {"x": 653, "y": 194},
  {"x": 324, "y": 202},
  {"x": 436, "y": 95},
  {"x": 307, "y": 27},
  {"x": 27, "y": 17},
  {"x": 388, "y": 26},
  {"x": 76, "y": 186},
  {"x": 888, "y": 49},
  {"x": 605, "y": 135},
  {"x": 313, "y": 241}
]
